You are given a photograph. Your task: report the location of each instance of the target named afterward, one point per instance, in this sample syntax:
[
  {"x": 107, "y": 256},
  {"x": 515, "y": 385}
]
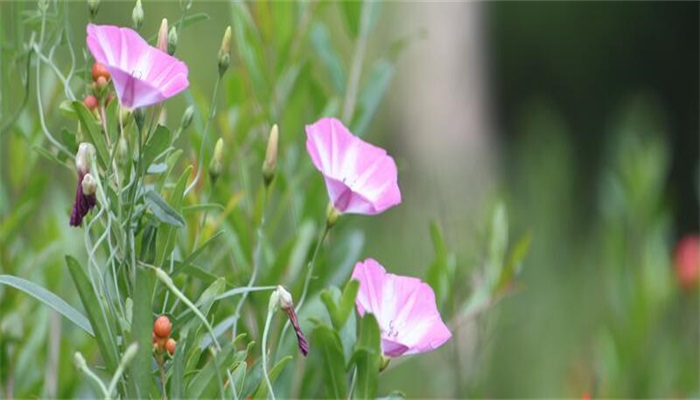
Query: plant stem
[
  {"x": 356, "y": 67},
  {"x": 257, "y": 260},
  {"x": 212, "y": 113},
  {"x": 270, "y": 311}
]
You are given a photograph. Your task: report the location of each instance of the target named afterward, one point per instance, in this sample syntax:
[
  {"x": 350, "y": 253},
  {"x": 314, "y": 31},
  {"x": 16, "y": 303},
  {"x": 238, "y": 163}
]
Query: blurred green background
[{"x": 582, "y": 118}]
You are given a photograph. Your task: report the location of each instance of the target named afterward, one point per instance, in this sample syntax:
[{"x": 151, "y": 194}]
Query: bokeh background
[{"x": 581, "y": 118}]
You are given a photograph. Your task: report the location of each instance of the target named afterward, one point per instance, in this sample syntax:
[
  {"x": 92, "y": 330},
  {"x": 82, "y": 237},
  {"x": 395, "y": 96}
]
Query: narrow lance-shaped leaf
[
  {"x": 50, "y": 299},
  {"x": 99, "y": 320}
]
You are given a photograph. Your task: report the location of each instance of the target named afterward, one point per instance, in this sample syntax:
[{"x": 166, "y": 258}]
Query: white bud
[
  {"x": 89, "y": 185},
  {"x": 137, "y": 15},
  {"x": 83, "y": 157},
  {"x": 284, "y": 298}
]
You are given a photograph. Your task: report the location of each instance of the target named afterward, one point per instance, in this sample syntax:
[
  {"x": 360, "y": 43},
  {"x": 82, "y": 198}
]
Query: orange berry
[
  {"x": 90, "y": 102},
  {"x": 99, "y": 70},
  {"x": 170, "y": 346},
  {"x": 162, "y": 327}
]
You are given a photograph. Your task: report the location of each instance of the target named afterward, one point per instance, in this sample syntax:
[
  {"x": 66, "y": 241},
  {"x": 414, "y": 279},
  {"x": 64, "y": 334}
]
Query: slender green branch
[
  {"x": 266, "y": 331},
  {"x": 257, "y": 260},
  {"x": 82, "y": 366},
  {"x": 126, "y": 359},
  {"x": 356, "y": 67},
  {"x": 212, "y": 113}
]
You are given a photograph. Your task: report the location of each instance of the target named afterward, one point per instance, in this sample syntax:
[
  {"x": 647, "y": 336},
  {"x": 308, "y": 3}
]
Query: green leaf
[
  {"x": 351, "y": 11},
  {"x": 261, "y": 393},
  {"x": 497, "y": 245},
  {"x": 347, "y": 301},
  {"x": 201, "y": 385},
  {"x": 142, "y": 327},
  {"x": 515, "y": 258},
  {"x": 440, "y": 272},
  {"x": 157, "y": 143},
  {"x": 372, "y": 94},
  {"x": 177, "y": 377},
  {"x": 162, "y": 210},
  {"x": 94, "y": 132},
  {"x": 96, "y": 314},
  {"x": 192, "y": 257},
  {"x": 166, "y": 239},
  {"x": 367, "y": 358},
  {"x": 327, "y": 344},
  {"x": 202, "y": 207},
  {"x": 253, "y": 379},
  {"x": 321, "y": 41},
  {"x": 45, "y": 296}
]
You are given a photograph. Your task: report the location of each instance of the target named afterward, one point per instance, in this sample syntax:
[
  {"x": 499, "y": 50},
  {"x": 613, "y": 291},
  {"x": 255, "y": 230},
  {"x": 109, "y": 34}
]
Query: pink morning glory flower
[
  {"x": 360, "y": 178},
  {"x": 405, "y": 309},
  {"x": 142, "y": 74}
]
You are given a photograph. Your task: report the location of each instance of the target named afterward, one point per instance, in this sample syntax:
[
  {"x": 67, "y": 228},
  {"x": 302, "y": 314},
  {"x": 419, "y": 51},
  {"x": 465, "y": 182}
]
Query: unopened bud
[
  {"x": 217, "y": 161},
  {"x": 186, "y": 120},
  {"x": 172, "y": 41},
  {"x": 270, "y": 164},
  {"x": 162, "y": 43},
  {"x": 93, "y": 6},
  {"x": 284, "y": 298},
  {"x": 89, "y": 185},
  {"x": 332, "y": 215},
  {"x": 83, "y": 157},
  {"x": 79, "y": 361},
  {"x": 281, "y": 298},
  {"x": 137, "y": 15},
  {"x": 225, "y": 52}
]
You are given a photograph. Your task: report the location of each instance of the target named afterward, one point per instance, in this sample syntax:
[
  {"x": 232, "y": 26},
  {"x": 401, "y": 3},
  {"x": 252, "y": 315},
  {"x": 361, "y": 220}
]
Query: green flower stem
[
  {"x": 307, "y": 281},
  {"x": 257, "y": 260},
  {"x": 356, "y": 67},
  {"x": 266, "y": 331},
  {"x": 82, "y": 366},
  {"x": 126, "y": 359},
  {"x": 310, "y": 269},
  {"x": 212, "y": 113}
]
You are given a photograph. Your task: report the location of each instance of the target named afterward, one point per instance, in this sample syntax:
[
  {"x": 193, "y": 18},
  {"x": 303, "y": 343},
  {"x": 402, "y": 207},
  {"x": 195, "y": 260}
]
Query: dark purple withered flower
[
  {"x": 286, "y": 304},
  {"x": 85, "y": 198}
]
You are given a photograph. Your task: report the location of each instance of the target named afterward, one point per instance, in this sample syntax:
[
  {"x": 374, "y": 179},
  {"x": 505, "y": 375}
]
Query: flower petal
[
  {"x": 142, "y": 75},
  {"x": 360, "y": 178}
]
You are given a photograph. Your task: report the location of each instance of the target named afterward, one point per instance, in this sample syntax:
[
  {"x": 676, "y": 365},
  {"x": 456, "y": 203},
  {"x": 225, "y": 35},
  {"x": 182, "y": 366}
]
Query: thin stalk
[
  {"x": 307, "y": 281},
  {"x": 356, "y": 67},
  {"x": 268, "y": 321},
  {"x": 212, "y": 113},
  {"x": 257, "y": 260}
]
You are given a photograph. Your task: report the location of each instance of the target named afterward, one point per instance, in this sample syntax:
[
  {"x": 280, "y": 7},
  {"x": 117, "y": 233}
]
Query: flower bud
[
  {"x": 283, "y": 299},
  {"x": 89, "y": 185},
  {"x": 216, "y": 165},
  {"x": 93, "y": 6},
  {"x": 332, "y": 215},
  {"x": 270, "y": 164},
  {"x": 162, "y": 43},
  {"x": 187, "y": 118},
  {"x": 79, "y": 361},
  {"x": 83, "y": 157},
  {"x": 137, "y": 15},
  {"x": 172, "y": 41},
  {"x": 225, "y": 52}
]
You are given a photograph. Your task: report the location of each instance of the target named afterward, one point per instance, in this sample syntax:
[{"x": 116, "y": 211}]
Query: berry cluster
[
  {"x": 161, "y": 335},
  {"x": 100, "y": 80}
]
